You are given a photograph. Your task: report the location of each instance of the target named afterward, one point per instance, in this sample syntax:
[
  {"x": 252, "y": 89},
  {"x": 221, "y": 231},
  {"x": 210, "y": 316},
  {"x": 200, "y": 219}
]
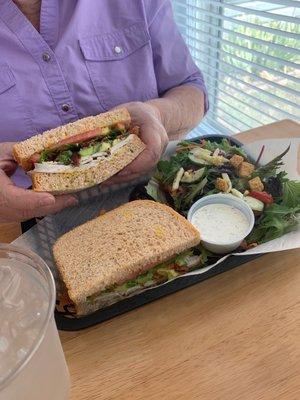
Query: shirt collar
[
  {"x": 13, "y": 17},
  {"x": 19, "y": 24},
  {"x": 49, "y": 21}
]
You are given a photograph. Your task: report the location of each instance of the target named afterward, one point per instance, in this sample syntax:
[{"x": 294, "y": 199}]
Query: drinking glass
[{"x": 32, "y": 362}]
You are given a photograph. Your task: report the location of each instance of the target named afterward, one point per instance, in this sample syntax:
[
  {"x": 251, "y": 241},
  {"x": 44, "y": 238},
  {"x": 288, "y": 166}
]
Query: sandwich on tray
[
  {"x": 121, "y": 253},
  {"x": 81, "y": 154}
]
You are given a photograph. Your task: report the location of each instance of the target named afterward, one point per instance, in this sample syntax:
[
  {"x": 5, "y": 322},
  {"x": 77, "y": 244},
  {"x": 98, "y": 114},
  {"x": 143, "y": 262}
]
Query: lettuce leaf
[
  {"x": 277, "y": 220},
  {"x": 65, "y": 157},
  {"x": 181, "y": 259},
  {"x": 153, "y": 189},
  {"x": 167, "y": 169},
  {"x": 291, "y": 194}
]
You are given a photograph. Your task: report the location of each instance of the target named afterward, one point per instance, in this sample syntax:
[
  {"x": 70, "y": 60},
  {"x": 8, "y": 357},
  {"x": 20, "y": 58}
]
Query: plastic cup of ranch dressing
[
  {"x": 32, "y": 363},
  {"x": 223, "y": 221}
]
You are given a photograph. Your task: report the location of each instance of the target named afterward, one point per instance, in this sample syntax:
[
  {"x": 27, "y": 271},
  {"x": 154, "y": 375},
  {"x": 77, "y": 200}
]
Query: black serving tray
[
  {"x": 41, "y": 238},
  {"x": 67, "y": 324}
]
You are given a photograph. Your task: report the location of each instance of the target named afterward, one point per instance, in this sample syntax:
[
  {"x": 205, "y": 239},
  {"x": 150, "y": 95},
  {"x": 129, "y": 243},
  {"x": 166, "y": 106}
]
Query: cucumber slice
[
  {"x": 255, "y": 205},
  {"x": 177, "y": 179},
  {"x": 197, "y": 160},
  {"x": 237, "y": 193},
  {"x": 201, "y": 156},
  {"x": 200, "y": 152},
  {"x": 192, "y": 176}
]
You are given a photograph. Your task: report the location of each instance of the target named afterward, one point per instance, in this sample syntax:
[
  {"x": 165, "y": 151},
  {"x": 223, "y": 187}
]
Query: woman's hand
[
  {"x": 17, "y": 204},
  {"x": 152, "y": 133},
  {"x": 170, "y": 117}
]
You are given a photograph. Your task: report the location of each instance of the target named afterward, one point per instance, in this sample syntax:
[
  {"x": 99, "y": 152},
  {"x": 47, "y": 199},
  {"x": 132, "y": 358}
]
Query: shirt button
[
  {"x": 46, "y": 57},
  {"x": 118, "y": 49},
  {"x": 65, "y": 107}
]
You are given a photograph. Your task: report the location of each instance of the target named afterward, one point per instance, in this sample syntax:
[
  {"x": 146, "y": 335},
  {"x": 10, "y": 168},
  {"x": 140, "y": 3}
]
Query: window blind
[{"x": 249, "y": 53}]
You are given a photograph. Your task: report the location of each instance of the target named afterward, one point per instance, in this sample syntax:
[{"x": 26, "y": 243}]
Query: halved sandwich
[
  {"x": 121, "y": 253},
  {"x": 81, "y": 154}
]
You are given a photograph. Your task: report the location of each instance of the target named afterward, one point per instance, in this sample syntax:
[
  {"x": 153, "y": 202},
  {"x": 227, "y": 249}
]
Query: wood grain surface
[
  {"x": 232, "y": 337},
  {"x": 9, "y": 232}
]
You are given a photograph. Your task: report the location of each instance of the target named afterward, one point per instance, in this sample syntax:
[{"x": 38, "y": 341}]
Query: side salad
[{"x": 202, "y": 168}]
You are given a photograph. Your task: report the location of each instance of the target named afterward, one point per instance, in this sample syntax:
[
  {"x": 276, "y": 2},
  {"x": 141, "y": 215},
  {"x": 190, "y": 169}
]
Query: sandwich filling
[
  {"x": 179, "y": 265},
  {"x": 83, "y": 150}
]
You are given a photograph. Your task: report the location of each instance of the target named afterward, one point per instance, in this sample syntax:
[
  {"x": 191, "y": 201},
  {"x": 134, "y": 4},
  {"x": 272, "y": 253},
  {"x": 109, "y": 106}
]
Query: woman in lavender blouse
[{"x": 61, "y": 60}]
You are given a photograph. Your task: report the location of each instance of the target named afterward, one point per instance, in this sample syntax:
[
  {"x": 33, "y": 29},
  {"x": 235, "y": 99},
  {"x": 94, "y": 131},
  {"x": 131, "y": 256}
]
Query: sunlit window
[{"x": 249, "y": 53}]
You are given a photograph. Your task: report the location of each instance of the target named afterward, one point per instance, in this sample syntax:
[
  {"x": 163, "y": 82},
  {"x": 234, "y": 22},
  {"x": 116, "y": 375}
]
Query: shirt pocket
[
  {"x": 120, "y": 65},
  {"x": 7, "y": 79},
  {"x": 15, "y": 123}
]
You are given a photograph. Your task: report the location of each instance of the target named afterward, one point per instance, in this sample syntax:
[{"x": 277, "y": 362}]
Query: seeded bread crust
[
  {"x": 119, "y": 246},
  {"x": 22, "y": 151},
  {"x": 74, "y": 181}
]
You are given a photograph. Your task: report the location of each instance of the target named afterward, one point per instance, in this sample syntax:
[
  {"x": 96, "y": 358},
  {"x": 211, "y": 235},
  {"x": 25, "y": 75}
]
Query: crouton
[
  {"x": 245, "y": 169},
  {"x": 256, "y": 184},
  {"x": 236, "y": 160},
  {"x": 218, "y": 160},
  {"x": 222, "y": 184}
]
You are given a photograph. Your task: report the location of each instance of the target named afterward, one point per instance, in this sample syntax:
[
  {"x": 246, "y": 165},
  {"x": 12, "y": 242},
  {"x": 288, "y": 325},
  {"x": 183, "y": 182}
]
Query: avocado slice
[
  {"x": 99, "y": 147},
  {"x": 104, "y": 146},
  {"x": 88, "y": 151}
]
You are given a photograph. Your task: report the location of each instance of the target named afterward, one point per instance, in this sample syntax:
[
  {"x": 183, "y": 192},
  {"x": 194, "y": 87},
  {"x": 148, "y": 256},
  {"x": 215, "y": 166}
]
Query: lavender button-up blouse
[{"x": 88, "y": 57}]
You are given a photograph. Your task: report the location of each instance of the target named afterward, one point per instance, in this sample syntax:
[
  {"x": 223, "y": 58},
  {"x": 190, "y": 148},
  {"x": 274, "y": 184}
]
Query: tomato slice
[
  {"x": 81, "y": 137},
  {"x": 35, "y": 158},
  {"x": 262, "y": 196}
]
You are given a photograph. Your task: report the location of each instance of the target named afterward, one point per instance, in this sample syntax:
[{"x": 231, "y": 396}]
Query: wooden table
[{"x": 233, "y": 337}]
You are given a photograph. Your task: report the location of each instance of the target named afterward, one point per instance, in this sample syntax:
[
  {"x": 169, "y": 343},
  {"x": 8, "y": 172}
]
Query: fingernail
[
  {"x": 47, "y": 201},
  {"x": 72, "y": 202}
]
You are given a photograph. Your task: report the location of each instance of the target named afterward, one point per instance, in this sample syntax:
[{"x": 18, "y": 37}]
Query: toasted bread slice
[
  {"x": 82, "y": 178},
  {"x": 22, "y": 151},
  {"x": 119, "y": 246}
]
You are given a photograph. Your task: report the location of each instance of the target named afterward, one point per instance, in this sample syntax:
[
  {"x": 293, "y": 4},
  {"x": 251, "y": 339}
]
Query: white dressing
[{"x": 220, "y": 223}]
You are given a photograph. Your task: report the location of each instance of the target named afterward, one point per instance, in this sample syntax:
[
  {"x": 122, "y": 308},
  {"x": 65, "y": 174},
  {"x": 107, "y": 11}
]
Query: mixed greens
[
  {"x": 178, "y": 265},
  {"x": 204, "y": 168}
]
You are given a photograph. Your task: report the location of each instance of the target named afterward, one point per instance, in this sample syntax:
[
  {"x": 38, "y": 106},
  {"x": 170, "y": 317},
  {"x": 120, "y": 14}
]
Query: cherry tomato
[{"x": 262, "y": 196}]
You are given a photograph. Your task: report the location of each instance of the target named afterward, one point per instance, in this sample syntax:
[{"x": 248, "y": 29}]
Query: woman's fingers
[
  {"x": 7, "y": 162},
  {"x": 61, "y": 202},
  {"x": 8, "y": 166},
  {"x": 118, "y": 179},
  {"x": 6, "y": 150},
  {"x": 17, "y": 204}
]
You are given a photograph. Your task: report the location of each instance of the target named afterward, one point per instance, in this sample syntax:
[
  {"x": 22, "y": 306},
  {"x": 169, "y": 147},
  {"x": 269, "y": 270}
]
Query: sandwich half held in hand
[
  {"x": 81, "y": 154},
  {"x": 117, "y": 255}
]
